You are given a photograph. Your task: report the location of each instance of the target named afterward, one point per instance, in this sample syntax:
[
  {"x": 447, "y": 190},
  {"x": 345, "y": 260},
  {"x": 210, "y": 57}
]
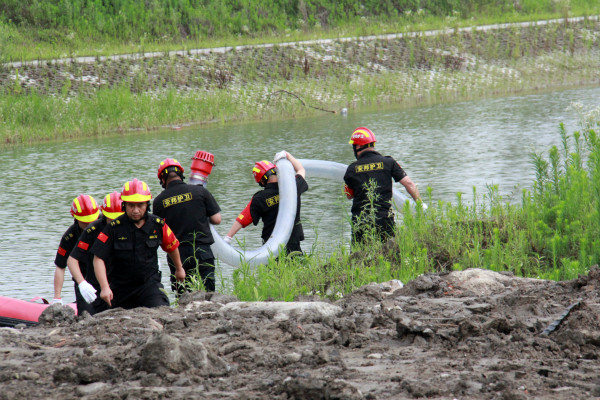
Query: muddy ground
[{"x": 474, "y": 334}]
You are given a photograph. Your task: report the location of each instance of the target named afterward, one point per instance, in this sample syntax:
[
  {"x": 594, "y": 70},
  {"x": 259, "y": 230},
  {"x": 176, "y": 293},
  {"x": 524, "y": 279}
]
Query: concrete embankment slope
[
  {"x": 226, "y": 49},
  {"x": 288, "y": 80}
]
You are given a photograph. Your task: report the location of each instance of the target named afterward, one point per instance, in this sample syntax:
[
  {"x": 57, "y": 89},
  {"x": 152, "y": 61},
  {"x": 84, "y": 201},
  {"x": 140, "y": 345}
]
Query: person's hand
[
  {"x": 56, "y": 301},
  {"x": 87, "y": 291},
  {"x": 227, "y": 239},
  {"x": 107, "y": 295},
  {"x": 180, "y": 274},
  {"x": 279, "y": 156}
]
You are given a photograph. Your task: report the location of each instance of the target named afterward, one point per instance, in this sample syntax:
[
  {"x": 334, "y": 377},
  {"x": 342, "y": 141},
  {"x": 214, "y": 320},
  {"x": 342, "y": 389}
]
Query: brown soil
[{"x": 473, "y": 334}]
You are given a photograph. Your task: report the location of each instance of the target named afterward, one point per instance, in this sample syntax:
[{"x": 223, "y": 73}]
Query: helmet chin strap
[
  {"x": 167, "y": 174},
  {"x": 264, "y": 180},
  {"x": 358, "y": 149}
]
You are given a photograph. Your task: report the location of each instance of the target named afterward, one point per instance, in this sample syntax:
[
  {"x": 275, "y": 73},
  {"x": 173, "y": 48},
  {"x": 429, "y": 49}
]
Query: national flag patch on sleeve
[
  {"x": 102, "y": 237},
  {"x": 169, "y": 241},
  {"x": 245, "y": 218},
  {"x": 62, "y": 251},
  {"x": 83, "y": 245},
  {"x": 349, "y": 192}
]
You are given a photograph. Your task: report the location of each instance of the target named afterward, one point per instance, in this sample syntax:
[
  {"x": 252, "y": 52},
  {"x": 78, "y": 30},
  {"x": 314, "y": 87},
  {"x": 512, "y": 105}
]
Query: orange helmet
[
  {"x": 169, "y": 162},
  {"x": 85, "y": 208},
  {"x": 111, "y": 208},
  {"x": 362, "y": 136},
  {"x": 263, "y": 169},
  {"x": 135, "y": 191}
]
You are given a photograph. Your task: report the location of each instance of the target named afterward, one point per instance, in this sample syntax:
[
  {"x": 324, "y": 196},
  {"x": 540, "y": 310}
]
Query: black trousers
[
  {"x": 196, "y": 259},
  {"x": 292, "y": 248},
  {"x": 383, "y": 229},
  {"x": 149, "y": 293}
]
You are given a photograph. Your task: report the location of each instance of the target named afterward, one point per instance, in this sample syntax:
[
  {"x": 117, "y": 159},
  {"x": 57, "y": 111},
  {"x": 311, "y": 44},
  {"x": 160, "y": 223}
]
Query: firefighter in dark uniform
[
  {"x": 84, "y": 210},
  {"x": 129, "y": 245},
  {"x": 265, "y": 203},
  {"x": 373, "y": 169},
  {"x": 81, "y": 260},
  {"x": 188, "y": 209}
]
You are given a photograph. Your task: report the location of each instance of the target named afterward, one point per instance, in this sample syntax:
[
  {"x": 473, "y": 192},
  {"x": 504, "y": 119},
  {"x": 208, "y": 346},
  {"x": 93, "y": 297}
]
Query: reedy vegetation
[{"x": 554, "y": 233}]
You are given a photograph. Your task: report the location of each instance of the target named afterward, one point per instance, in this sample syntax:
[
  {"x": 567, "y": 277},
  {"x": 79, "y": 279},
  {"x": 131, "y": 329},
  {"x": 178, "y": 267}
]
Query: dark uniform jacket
[
  {"x": 82, "y": 254},
  {"x": 265, "y": 205},
  {"x": 186, "y": 208},
  {"x": 67, "y": 243},
  {"x": 131, "y": 252},
  {"x": 371, "y": 165}
]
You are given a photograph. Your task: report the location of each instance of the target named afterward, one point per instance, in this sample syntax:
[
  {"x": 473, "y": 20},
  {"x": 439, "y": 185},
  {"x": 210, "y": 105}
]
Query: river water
[{"x": 451, "y": 148}]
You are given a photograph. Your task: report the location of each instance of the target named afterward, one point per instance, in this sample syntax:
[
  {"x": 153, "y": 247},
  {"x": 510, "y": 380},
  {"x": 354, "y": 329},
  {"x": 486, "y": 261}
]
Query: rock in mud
[
  {"x": 57, "y": 314},
  {"x": 164, "y": 354},
  {"x": 307, "y": 388}
]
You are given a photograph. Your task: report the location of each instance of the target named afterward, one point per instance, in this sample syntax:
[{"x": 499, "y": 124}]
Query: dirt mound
[{"x": 472, "y": 334}]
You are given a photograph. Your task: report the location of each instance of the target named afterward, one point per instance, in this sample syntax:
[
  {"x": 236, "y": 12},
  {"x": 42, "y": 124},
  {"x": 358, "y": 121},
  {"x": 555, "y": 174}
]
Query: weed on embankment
[{"x": 56, "y": 100}]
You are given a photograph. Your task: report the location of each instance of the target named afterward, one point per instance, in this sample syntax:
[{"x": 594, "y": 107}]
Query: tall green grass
[
  {"x": 137, "y": 19},
  {"x": 153, "y": 99},
  {"x": 42, "y": 29},
  {"x": 553, "y": 233}
]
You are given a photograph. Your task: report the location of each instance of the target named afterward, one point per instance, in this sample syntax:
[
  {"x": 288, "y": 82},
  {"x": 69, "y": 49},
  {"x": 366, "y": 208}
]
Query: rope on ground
[{"x": 277, "y": 92}]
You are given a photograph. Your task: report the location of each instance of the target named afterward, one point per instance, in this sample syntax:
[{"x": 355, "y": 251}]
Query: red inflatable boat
[{"x": 14, "y": 311}]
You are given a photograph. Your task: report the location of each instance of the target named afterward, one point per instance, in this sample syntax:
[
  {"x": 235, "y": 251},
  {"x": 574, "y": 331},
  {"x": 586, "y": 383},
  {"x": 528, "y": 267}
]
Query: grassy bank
[
  {"x": 552, "y": 234},
  {"x": 48, "y": 101},
  {"x": 46, "y": 29}
]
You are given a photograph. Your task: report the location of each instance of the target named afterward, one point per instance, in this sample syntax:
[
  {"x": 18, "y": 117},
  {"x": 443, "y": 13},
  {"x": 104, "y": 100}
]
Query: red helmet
[
  {"x": 261, "y": 168},
  {"x": 84, "y": 208},
  {"x": 111, "y": 208},
  {"x": 169, "y": 162},
  {"x": 362, "y": 136},
  {"x": 136, "y": 192}
]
